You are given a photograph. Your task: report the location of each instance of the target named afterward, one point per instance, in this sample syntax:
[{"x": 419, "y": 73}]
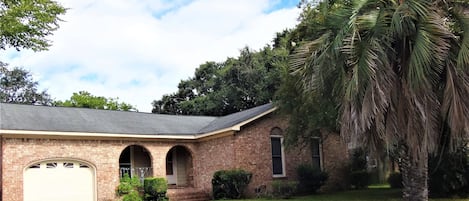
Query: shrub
[
  {"x": 395, "y": 180},
  {"x": 449, "y": 173},
  {"x": 128, "y": 188},
  {"x": 155, "y": 188},
  {"x": 132, "y": 196},
  {"x": 359, "y": 179},
  {"x": 310, "y": 179},
  {"x": 358, "y": 159},
  {"x": 124, "y": 188},
  {"x": 127, "y": 185},
  {"x": 230, "y": 184},
  {"x": 283, "y": 189},
  {"x": 359, "y": 176}
]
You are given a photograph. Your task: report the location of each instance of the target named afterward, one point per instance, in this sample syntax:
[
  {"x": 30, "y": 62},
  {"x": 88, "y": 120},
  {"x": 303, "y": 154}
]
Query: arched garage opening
[
  {"x": 135, "y": 161},
  {"x": 57, "y": 180},
  {"x": 179, "y": 168}
]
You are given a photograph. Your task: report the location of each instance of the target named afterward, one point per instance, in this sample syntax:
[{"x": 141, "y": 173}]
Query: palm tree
[{"x": 401, "y": 72}]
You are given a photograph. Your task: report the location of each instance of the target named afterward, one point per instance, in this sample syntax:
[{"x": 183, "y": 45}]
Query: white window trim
[
  {"x": 320, "y": 152},
  {"x": 283, "y": 157}
]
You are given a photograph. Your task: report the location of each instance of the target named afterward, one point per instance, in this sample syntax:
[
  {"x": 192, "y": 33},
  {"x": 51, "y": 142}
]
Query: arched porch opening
[
  {"x": 179, "y": 167},
  {"x": 135, "y": 161}
]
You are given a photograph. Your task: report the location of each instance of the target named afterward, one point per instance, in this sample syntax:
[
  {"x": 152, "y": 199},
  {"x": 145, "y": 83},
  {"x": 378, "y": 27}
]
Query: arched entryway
[
  {"x": 59, "y": 179},
  {"x": 135, "y": 161},
  {"x": 179, "y": 168}
]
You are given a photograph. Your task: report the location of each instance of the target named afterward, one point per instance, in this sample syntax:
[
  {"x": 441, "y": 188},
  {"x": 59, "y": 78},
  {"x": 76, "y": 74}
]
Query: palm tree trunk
[{"x": 414, "y": 176}]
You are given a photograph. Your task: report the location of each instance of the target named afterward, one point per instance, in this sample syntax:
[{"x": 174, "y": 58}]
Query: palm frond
[
  {"x": 420, "y": 7},
  {"x": 429, "y": 51},
  {"x": 461, "y": 16},
  {"x": 455, "y": 107},
  {"x": 303, "y": 60}
]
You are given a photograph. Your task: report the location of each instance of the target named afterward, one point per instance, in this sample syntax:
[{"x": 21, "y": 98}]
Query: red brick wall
[
  {"x": 249, "y": 149},
  {"x": 335, "y": 161},
  {"x": 212, "y": 155},
  {"x": 253, "y": 153}
]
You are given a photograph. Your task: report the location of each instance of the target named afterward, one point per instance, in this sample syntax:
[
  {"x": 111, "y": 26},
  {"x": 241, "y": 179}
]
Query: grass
[{"x": 374, "y": 193}]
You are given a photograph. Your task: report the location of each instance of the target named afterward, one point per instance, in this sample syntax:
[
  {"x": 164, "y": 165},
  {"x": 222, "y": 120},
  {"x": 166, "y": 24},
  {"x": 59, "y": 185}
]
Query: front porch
[{"x": 136, "y": 161}]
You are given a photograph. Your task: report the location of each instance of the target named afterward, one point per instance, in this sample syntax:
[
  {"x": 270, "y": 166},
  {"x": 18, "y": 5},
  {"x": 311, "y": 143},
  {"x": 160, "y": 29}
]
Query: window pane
[
  {"x": 316, "y": 153},
  {"x": 68, "y": 165},
  {"x": 276, "y": 147},
  {"x": 315, "y": 147},
  {"x": 277, "y": 165},
  {"x": 51, "y": 165},
  {"x": 169, "y": 163}
]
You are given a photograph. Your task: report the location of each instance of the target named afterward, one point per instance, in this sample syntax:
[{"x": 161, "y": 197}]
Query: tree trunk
[{"x": 414, "y": 176}]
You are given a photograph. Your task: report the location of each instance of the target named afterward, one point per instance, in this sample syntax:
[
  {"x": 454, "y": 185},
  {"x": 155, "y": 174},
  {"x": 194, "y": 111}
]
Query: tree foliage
[
  {"x": 231, "y": 86},
  {"x": 309, "y": 113},
  {"x": 17, "y": 86},
  {"x": 85, "y": 99},
  {"x": 400, "y": 74},
  {"x": 27, "y": 23}
]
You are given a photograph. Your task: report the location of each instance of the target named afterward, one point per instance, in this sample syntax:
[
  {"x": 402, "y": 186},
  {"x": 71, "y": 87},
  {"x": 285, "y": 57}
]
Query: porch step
[{"x": 187, "y": 194}]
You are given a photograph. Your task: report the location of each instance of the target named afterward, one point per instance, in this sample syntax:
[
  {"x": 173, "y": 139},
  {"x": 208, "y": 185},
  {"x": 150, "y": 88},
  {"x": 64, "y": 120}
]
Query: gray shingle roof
[
  {"x": 236, "y": 118},
  {"x": 67, "y": 119}
]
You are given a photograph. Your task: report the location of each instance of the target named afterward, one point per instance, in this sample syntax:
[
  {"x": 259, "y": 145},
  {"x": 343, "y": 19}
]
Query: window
[
  {"x": 68, "y": 165},
  {"x": 51, "y": 165},
  {"x": 169, "y": 163},
  {"x": 84, "y": 166},
  {"x": 316, "y": 153},
  {"x": 276, "y": 140},
  {"x": 35, "y": 166}
]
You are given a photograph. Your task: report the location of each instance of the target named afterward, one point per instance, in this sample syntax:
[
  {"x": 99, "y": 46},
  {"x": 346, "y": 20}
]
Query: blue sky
[{"x": 138, "y": 50}]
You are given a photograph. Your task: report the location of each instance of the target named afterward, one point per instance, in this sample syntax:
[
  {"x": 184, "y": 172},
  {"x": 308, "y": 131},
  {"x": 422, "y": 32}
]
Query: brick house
[{"x": 60, "y": 153}]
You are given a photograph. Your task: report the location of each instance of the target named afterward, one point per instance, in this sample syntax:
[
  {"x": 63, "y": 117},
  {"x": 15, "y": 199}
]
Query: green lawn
[{"x": 372, "y": 194}]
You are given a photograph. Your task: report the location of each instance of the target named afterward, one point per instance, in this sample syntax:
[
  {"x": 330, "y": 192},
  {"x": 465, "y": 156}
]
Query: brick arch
[
  {"x": 123, "y": 147},
  {"x": 276, "y": 131},
  {"x": 179, "y": 164},
  {"x": 135, "y": 160}
]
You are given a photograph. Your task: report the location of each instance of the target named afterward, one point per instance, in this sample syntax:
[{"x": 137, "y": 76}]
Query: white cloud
[{"x": 138, "y": 50}]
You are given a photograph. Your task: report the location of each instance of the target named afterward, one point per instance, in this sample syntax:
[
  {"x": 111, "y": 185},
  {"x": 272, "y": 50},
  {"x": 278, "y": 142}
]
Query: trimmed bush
[
  {"x": 395, "y": 180},
  {"x": 230, "y": 184},
  {"x": 128, "y": 185},
  {"x": 132, "y": 196},
  {"x": 310, "y": 179},
  {"x": 359, "y": 179},
  {"x": 124, "y": 188},
  {"x": 283, "y": 189},
  {"x": 155, "y": 189}
]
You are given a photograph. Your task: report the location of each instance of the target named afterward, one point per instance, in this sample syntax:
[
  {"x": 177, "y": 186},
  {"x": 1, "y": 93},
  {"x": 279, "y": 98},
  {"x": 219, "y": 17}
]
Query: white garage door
[{"x": 59, "y": 180}]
